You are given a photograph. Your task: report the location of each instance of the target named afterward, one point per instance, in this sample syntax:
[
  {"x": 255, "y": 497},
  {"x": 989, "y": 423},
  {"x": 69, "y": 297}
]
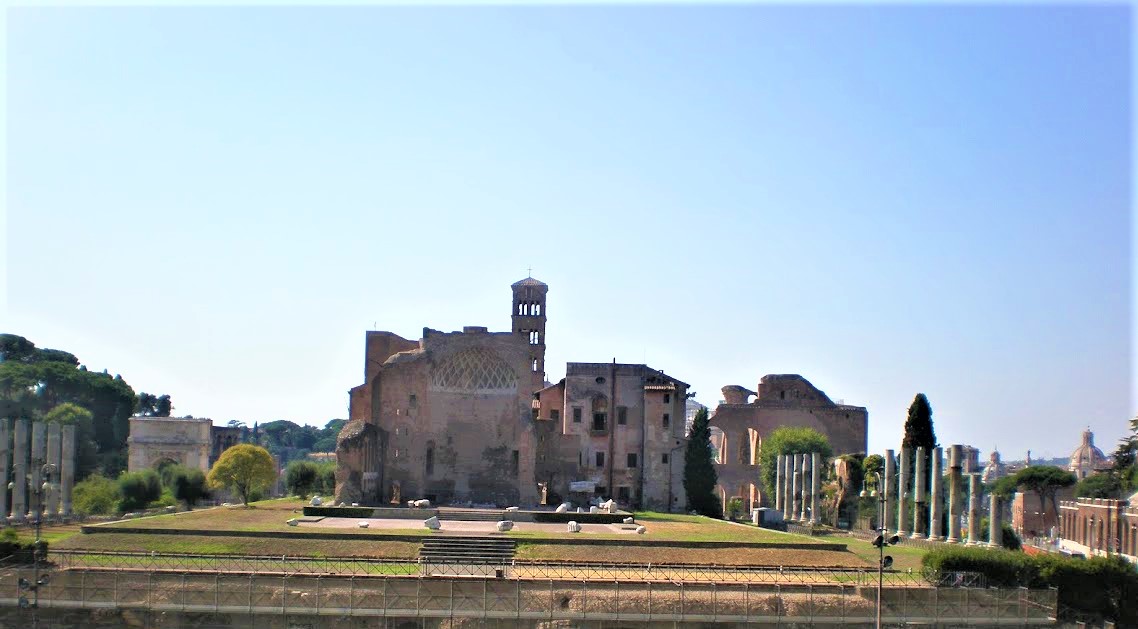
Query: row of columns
[
  {"x": 50, "y": 443},
  {"x": 898, "y": 516},
  {"x": 798, "y": 486}
]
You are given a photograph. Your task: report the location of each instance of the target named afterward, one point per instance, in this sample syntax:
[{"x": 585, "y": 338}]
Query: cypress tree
[
  {"x": 919, "y": 425},
  {"x": 700, "y": 477}
]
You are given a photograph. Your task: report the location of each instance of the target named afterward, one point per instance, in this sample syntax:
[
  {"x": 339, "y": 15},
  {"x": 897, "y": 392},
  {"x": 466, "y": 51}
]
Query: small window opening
[
  {"x": 576, "y": 414},
  {"x": 667, "y": 420},
  {"x": 514, "y": 462},
  {"x": 555, "y": 414},
  {"x": 664, "y": 458},
  {"x": 430, "y": 460},
  {"x": 600, "y": 421},
  {"x": 667, "y": 398},
  {"x": 600, "y": 459},
  {"x": 622, "y": 415},
  {"x": 632, "y": 460}
]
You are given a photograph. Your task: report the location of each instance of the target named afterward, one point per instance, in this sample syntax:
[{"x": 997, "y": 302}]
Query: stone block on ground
[
  {"x": 640, "y": 530},
  {"x": 564, "y": 507},
  {"x": 594, "y": 509},
  {"x": 432, "y": 523},
  {"x": 629, "y": 520},
  {"x": 317, "y": 501},
  {"x": 505, "y": 525},
  {"x": 511, "y": 509},
  {"x": 363, "y": 524},
  {"x": 292, "y": 522},
  {"x": 573, "y": 527},
  {"x": 422, "y": 504}
]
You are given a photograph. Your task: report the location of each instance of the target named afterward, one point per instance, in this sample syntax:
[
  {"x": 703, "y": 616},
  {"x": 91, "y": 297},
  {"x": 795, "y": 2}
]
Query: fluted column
[
  {"x": 54, "y": 456},
  {"x": 795, "y": 489},
  {"x": 919, "y": 494},
  {"x": 902, "y": 492},
  {"x": 936, "y": 533},
  {"x": 36, "y": 461},
  {"x": 973, "y": 508},
  {"x": 5, "y": 461},
  {"x": 890, "y": 492},
  {"x": 995, "y": 522},
  {"x": 778, "y": 483},
  {"x": 815, "y": 485},
  {"x": 20, "y": 470},
  {"x": 803, "y": 515},
  {"x": 67, "y": 469},
  {"x": 787, "y": 486},
  {"x": 954, "y": 506}
]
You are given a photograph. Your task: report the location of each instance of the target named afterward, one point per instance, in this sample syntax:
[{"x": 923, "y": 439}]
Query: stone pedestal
[
  {"x": 936, "y": 500},
  {"x": 995, "y": 521},
  {"x": 955, "y": 508},
  {"x": 55, "y": 457},
  {"x": 815, "y": 485},
  {"x": 919, "y": 495},
  {"x": 67, "y": 469},
  {"x": 889, "y": 489},
  {"x": 973, "y": 509},
  {"x": 903, "y": 481},
  {"x": 20, "y": 470}
]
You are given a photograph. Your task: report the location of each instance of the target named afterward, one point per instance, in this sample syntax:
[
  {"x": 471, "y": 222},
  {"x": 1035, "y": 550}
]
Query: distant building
[
  {"x": 1087, "y": 459},
  {"x": 157, "y": 440},
  {"x": 690, "y": 410},
  {"x": 1095, "y": 526},
  {"x": 221, "y": 439},
  {"x": 995, "y": 469}
]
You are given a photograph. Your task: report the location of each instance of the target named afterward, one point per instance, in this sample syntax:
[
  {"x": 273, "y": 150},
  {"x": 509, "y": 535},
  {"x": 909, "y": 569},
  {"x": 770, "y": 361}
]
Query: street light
[
  {"x": 38, "y": 551},
  {"x": 884, "y": 561}
]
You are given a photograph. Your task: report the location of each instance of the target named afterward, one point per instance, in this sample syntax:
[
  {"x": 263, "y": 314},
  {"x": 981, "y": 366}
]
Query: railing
[
  {"x": 339, "y": 599},
  {"x": 512, "y": 569}
]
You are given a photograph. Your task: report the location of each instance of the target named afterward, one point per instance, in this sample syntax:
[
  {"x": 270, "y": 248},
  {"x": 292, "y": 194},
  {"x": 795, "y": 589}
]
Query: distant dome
[
  {"x": 529, "y": 281},
  {"x": 475, "y": 370},
  {"x": 1086, "y": 458},
  {"x": 994, "y": 469}
]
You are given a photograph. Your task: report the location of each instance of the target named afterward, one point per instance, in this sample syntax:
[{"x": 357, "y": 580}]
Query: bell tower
[{"x": 529, "y": 321}]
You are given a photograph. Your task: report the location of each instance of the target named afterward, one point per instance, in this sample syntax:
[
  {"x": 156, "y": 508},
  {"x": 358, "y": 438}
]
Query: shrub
[
  {"x": 96, "y": 495},
  {"x": 340, "y": 512},
  {"x": 327, "y": 473},
  {"x": 139, "y": 489},
  {"x": 189, "y": 486},
  {"x": 302, "y": 478},
  {"x": 734, "y": 508}
]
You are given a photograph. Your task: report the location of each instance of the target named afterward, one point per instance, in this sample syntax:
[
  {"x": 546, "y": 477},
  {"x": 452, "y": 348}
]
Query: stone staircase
[
  {"x": 472, "y": 515},
  {"x": 466, "y": 549}
]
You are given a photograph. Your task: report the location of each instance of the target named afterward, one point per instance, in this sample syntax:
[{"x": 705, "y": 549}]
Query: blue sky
[{"x": 218, "y": 202}]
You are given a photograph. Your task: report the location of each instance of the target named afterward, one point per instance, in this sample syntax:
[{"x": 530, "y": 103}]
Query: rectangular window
[
  {"x": 576, "y": 414},
  {"x": 514, "y": 462},
  {"x": 555, "y": 414},
  {"x": 664, "y": 458},
  {"x": 413, "y": 399},
  {"x": 600, "y": 421},
  {"x": 667, "y": 420},
  {"x": 667, "y": 398},
  {"x": 600, "y": 459},
  {"x": 632, "y": 460},
  {"x": 622, "y": 415},
  {"x": 623, "y": 494}
]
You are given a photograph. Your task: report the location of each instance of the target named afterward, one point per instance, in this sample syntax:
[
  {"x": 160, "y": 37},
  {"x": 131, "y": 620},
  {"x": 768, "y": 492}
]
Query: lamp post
[
  {"x": 880, "y": 541},
  {"x": 38, "y": 553}
]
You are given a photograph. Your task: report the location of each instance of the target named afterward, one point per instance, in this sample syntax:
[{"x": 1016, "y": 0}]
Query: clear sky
[{"x": 217, "y": 203}]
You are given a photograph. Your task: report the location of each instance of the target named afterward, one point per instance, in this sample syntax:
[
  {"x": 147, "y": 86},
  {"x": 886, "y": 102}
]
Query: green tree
[
  {"x": 302, "y": 478},
  {"x": 873, "y": 464},
  {"x": 1045, "y": 481},
  {"x": 1101, "y": 485},
  {"x": 96, "y": 495},
  {"x": 189, "y": 486},
  {"x": 700, "y": 476},
  {"x": 139, "y": 489},
  {"x": 244, "y": 468},
  {"x": 327, "y": 478},
  {"x": 789, "y": 440},
  {"x": 919, "y": 425},
  {"x": 86, "y": 452}
]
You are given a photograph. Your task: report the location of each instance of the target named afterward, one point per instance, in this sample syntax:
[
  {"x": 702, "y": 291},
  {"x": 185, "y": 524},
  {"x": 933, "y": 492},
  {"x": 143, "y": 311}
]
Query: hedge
[
  {"x": 580, "y": 518},
  {"x": 1105, "y": 587}
]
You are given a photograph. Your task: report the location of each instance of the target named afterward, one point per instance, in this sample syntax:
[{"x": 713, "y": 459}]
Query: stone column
[
  {"x": 778, "y": 483},
  {"x": 5, "y": 461},
  {"x": 796, "y": 484},
  {"x": 38, "y": 458},
  {"x": 902, "y": 492},
  {"x": 919, "y": 494},
  {"x": 815, "y": 485},
  {"x": 804, "y": 514},
  {"x": 890, "y": 493},
  {"x": 954, "y": 506},
  {"x": 54, "y": 456},
  {"x": 995, "y": 521},
  {"x": 936, "y": 533},
  {"x": 973, "y": 509},
  {"x": 20, "y": 470},
  {"x": 787, "y": 486},
  {"x": 67, "y": 469}
]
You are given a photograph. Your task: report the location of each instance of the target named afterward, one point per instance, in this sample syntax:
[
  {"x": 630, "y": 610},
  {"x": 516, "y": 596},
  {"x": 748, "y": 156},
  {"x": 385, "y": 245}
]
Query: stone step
[{"x": 474, "y": 548}]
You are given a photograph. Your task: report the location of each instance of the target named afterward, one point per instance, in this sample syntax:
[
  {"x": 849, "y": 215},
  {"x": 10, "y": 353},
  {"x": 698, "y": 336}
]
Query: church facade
[{"x": 468, "y": 418}]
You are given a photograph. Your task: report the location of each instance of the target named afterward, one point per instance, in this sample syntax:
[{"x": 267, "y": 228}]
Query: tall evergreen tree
[
  {"x": 919, "y": 425},
  {"x": 700, "y": 477}
]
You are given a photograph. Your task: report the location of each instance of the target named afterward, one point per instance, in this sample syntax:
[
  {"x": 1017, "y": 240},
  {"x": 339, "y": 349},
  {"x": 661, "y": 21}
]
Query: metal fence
[
  {"x": 327, "y": 599},
  {"x": 513, "y": 569}
]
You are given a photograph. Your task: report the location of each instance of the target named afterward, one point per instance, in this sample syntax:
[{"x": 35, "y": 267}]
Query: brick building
[{"x": 1097, "y": 526}]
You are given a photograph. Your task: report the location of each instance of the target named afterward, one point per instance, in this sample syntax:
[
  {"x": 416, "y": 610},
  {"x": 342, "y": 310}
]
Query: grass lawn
[
  {"x": 202, "y": 544},
  {"x": 702, "y": 556},
  {"x": 904, "y": 557},
  {"x": 680, "y": 528}
]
